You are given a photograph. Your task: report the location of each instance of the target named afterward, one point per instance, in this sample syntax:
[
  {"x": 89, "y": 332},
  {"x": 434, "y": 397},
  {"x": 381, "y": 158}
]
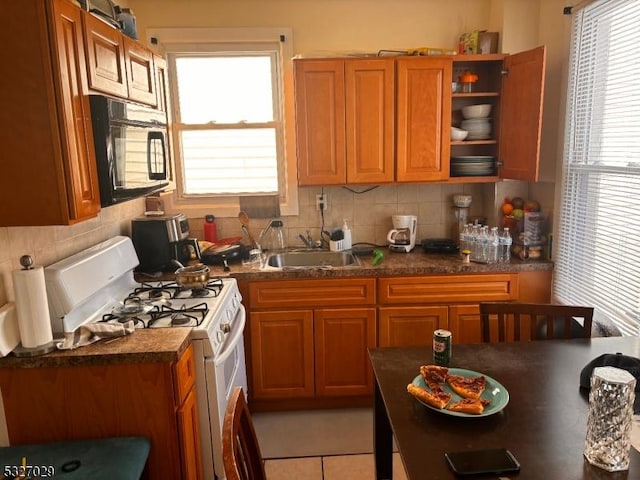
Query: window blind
[{"x": 598, "y": 236}]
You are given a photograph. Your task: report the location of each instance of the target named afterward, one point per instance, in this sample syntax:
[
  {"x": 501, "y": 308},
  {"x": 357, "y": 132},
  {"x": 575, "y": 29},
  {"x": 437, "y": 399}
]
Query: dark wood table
[{"x": 544, "y": 424}]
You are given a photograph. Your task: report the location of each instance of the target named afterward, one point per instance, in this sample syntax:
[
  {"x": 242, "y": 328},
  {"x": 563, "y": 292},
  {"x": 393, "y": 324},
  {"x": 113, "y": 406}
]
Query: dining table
[{"x": 541, "y": 417}]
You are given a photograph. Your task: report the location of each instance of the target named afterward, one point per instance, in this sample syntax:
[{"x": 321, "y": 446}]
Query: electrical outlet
[{"x": 322, "y": 202}]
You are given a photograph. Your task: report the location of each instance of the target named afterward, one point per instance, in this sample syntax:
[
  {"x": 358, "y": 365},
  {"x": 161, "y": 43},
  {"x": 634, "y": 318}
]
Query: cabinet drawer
[
  {"x": 312, "y": 293},
  {"x": 448, "y": 289},
  {"x": 185, "y": 375}
]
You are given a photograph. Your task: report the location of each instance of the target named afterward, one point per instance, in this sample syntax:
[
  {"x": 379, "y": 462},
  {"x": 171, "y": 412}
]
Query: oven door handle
[{"x": 236, "y": 335}]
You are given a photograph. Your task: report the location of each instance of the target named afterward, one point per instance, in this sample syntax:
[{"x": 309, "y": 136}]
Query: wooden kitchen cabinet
[
  {"x": 105, "y": 57},
  {"x": 309, "y": 338},
  {"x": 414, "y": 307},
  {"x": 423, "y": 113},
  {"x": 282, "y": 358},
  {"x": 514, "y": 86},
  {"x": 345, "y": 121},
  {"x": 141, "y": 73},
  {"x": 155, "y": 400},
  {"x": 49, "y": 172},
  {"x": 117, "y": 64}
]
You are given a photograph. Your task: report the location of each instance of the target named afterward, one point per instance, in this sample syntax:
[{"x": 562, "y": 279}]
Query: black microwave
[{"x": 131, "y": 149}]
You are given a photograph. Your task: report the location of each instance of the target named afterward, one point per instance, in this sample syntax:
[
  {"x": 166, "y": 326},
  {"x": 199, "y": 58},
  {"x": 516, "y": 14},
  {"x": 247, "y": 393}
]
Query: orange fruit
[{"x": 507, "y": 208}]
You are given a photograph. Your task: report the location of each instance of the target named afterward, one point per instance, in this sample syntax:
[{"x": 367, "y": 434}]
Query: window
[
  {"x": 230, "y": 88},
  {"x": 228, "y": 121},
  {"x": 598, "y": 241}
]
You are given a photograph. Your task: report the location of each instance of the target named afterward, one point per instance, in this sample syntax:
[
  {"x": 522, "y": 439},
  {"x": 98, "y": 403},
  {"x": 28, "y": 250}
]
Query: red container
[{"x": 210, "y": 231}]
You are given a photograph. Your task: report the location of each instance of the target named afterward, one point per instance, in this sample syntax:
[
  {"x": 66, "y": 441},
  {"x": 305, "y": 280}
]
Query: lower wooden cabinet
[
  {"x": 308, "y": 339},
  {"x": 300, "y": 349},
  {"x": 155, "y": 400},
  {"x": 410, "y": 326}
]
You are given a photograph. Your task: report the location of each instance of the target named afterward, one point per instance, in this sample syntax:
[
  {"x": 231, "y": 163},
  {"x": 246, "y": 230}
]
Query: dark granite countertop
[
  {"x": 167, "y": 344},
  {"x": 154, "y": 345},
  {"x": 394, "y": 263}
]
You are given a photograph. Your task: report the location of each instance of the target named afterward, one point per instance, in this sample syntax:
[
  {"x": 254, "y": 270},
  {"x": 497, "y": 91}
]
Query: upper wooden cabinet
[
  {"x": 423, "y": 113},
  {"x": 105, "y": 57},
  {"x": 345, "y": 121},
  {"x": 513, "y": 85},
  {"x": 117, "y": 64},
  {"x": 382, "y": 120},
  {"x": 141, "y": 74},
  {"x": 48, "y": 169}
]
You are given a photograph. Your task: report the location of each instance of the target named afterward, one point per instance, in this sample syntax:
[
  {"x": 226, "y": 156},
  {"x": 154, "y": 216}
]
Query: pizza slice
[
  {"x": 436, "y": 398},
  {"x": 434, "y": 376},
  {"x": 473, "y": 406},
  {"x": 467, "y": 387}
]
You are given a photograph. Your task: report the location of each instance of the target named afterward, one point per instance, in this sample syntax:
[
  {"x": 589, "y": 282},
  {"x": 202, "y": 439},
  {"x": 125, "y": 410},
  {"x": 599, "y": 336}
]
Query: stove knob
[
  {"x": 225, "y": 327},
  {"x": 219, "y": 336}
]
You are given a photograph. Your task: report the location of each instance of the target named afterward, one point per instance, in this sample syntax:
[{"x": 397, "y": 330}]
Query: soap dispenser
[{"x": 346, "y": 234}]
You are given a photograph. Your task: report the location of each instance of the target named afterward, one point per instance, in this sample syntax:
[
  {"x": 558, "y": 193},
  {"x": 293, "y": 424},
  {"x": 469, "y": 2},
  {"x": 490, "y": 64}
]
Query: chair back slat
[
  {"x": 240, "y": 449},
  {"x": 546, "y": 321}
]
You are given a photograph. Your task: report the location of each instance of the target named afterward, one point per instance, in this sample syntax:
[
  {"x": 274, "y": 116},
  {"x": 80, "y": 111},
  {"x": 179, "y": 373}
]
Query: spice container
[{"x": 468, "y": 80}]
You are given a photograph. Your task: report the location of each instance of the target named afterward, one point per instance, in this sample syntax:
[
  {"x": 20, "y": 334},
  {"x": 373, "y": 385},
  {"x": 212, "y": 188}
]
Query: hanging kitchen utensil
[{"x": 244, "y": 219}]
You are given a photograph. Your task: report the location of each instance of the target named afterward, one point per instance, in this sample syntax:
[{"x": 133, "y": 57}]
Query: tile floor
[{"x": 319, "y": 445}]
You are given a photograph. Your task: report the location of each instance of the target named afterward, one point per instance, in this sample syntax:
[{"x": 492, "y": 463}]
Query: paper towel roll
[{"x": 31, "y": 306}]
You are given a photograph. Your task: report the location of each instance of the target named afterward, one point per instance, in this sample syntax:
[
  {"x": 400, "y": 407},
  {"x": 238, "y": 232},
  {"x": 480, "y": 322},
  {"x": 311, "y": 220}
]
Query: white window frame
[
  {"x": 170, "y": 40},
  {"x": 598, "y": 231}
]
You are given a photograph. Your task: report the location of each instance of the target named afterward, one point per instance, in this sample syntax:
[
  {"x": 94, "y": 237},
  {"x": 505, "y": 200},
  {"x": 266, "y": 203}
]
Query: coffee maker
[
  {"x": 162, "y": 242},
  {"x": 402, "y": 238}
]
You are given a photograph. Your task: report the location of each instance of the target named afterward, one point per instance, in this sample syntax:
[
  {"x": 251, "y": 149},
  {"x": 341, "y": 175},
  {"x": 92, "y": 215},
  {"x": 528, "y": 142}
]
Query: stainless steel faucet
[{"x": 308, "y": 240}]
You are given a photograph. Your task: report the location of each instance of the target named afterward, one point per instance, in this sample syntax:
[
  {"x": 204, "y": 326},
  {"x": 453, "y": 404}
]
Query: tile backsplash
[
  {"x": 367, "y": 211},
  {"x": 47, "y": 245}
]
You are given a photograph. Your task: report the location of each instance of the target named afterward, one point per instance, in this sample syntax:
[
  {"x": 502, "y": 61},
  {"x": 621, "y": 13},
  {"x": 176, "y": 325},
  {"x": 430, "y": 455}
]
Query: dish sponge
[{"x": 377, "y": 256}]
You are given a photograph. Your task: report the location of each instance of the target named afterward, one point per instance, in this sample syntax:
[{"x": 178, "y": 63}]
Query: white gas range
[{"x": 98, "y": 285}]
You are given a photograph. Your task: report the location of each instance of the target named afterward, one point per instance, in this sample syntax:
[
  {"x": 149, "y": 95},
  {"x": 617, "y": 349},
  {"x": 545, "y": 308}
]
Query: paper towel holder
[{"x": 27, "y": 264}]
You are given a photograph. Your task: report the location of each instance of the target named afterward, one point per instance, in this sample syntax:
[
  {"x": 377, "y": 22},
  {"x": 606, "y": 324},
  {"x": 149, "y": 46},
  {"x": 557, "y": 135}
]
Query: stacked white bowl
[{"x": 477, "y": 121}]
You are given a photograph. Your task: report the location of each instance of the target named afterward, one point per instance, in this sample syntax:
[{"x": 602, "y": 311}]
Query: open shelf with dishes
[{"x": 474, "y": 157}]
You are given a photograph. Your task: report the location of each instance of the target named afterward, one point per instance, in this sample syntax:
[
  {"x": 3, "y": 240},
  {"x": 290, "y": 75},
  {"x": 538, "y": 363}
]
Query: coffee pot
[{"x": 402, "y": 237}]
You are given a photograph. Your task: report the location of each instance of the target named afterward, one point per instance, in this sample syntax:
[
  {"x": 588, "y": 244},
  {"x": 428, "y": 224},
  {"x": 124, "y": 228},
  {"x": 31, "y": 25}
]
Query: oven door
[{"x": 222, "y": 372}]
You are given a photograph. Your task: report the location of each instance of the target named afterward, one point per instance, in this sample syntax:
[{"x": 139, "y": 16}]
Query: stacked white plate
[
  {"x": 472, "y": 166},
  {"x": 478, "y": 128}
]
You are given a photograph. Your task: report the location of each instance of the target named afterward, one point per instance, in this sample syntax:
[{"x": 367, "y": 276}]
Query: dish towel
[{"x": 88, "y": 334}]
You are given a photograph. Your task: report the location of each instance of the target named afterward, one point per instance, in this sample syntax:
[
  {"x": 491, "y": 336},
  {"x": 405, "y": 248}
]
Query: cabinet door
[
  {"x": 370, "y": 120},
  {"x": 189, "y": 438},
  {"x": 141, "y": 74},
  {"x": 320, "y": 122},
  {"x": 521, "y": 115},
  {"x": 342, "y": 337},
  {"x": 464, "y": 324},
  {"x": 410, "y": 326},
  {"x": 80, "y": 169},
  {"x": 105, "y": 57},
  {"x": 423, "y": 114},
  {"x": 282, "y": 354}
]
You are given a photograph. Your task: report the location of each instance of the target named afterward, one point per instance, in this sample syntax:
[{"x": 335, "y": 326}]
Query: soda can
[{"x": 442, "y": 347}]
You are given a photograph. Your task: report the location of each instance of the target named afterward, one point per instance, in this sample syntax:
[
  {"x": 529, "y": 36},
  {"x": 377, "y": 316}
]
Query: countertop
[
  {"x": 416, "y": 262},
  {"x": 153, "y": 345},
  {"x": 167, "y": 344}
]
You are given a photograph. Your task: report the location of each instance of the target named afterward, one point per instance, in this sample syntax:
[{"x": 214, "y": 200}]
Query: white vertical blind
[{"x": 598, "y": 238}]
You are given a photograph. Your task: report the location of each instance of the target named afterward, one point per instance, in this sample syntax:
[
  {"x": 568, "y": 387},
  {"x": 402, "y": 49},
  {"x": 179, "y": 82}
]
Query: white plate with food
[{"x": 494, "y": 393}]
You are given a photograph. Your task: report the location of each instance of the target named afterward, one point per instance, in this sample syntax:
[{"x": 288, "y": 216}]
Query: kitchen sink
[{"x": 311, "y": 259}]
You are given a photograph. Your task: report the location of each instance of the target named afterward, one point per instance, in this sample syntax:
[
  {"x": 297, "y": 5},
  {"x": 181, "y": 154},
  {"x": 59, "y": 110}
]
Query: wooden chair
[
  {"x": 240, "y": 449},
  {"x": 546, "y": 321}
]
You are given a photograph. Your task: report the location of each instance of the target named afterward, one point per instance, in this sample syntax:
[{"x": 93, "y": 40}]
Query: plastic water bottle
[
  {"x": 505, "y": 245},
  {"x": 493, "y": 247}
]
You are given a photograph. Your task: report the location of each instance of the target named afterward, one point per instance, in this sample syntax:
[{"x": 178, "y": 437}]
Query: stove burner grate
[
  {"x": 184, "y": 315},
  {"x": 172, "y": 290}
]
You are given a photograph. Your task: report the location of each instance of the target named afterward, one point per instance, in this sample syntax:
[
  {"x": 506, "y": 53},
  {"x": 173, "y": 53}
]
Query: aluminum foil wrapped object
[{"x": 608, "y": 439}]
